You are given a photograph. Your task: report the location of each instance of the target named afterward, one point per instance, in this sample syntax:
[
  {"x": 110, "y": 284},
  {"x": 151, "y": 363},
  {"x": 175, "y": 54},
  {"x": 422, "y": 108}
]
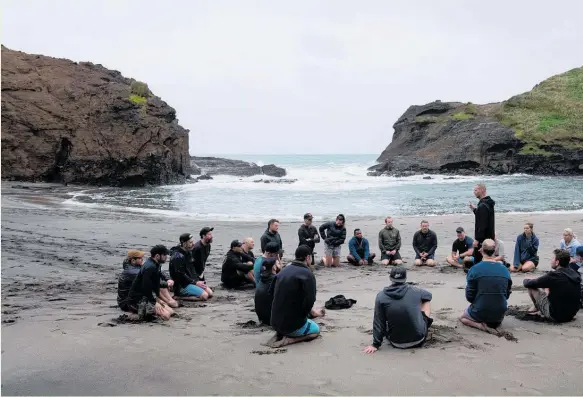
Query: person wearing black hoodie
[
  {"x": 425, "y": 245},
  {"x": 308, "y": 234},
  {"x": 236, "y": 273},
  {"x": 334, "y": 234},
  {"x": 563, "y": 299},
  {"x": 401, "y": 314},
  {"x": 272, "y": 235},
  {"x": 484, "y": 221},
  {"x": 187, "y": 285},
  {"x": 270, "y": 267}
]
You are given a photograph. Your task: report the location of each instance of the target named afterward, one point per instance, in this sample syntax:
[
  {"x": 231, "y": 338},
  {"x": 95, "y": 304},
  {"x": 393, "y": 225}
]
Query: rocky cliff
[
  {"x": 64, "y": 121},
  {"x": 538, "y": 132},
  {"x": 222, "y": 166}
]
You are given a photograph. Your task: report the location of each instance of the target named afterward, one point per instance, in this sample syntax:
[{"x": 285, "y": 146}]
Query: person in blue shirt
[
  {"x": 271, "y": 252},
  {"x": 359, "y": 250},
  {"x": 570, "y": 243},
  {"x": 461, "y": 250},
  {"x": 525, "y": 251},
  {"x": 488, "y": 287}
]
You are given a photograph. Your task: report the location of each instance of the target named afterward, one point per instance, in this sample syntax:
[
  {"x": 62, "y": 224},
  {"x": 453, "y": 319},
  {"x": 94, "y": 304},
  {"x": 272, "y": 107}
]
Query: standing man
[
  {"x": 461, "y": 250},
  {"x": 334, "y": 235},
  {"x": 424, "y": 245},
  {"x": 390, "y": 244},
  {"x": 272, "y": 235},
  {"x": 308, "y": 234},
  {"x": 359, "y": 250},
  {"x": 202, "y": 250},
  {"x": 484, "y": 224}
]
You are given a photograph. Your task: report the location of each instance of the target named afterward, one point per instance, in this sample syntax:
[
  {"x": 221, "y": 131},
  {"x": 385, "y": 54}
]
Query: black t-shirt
[{"x": 461, "y": 246}]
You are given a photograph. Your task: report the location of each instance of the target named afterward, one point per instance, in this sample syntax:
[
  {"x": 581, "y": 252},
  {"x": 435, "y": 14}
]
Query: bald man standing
[{"x": 484, "y": 224}]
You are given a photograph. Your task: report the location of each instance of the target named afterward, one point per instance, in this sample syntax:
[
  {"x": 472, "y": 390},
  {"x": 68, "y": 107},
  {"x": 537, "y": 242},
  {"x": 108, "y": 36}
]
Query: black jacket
[
  {"x": 200, "y": 254},
  {"x": 125, "y": 281},
  {"x": 269, "y": 237},
  {"x": 182, "y": 269},
  {"x": 306, "y": 233},
  {"x": 294, "y": 294},
  {"x": 425, "y": 242},
  {"x": 564, "y": 286},
  {"x": 248, "y": 256},
  {"x": 484, "y": 227},
  {"x": 229, "y": 275},
  {"x": 147, "y": 283},
  {"x": 335, "y": 236},
  {"x": 264, "y": 297}
]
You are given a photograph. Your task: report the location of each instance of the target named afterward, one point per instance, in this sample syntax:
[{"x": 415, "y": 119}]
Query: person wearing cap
[
  {"x": 401, "y": 314},
  {"x": 334, "y": 235},
  {"x": 247, "y": 254},
  {"x": 235, "y": 273},
  {"x": 271, "y": 235},
  {"x": 145, "y": 298},
  {"x": 359, "y": 250},
  {"x": 390, "y": 244},
  {"x": 202, "y": 250},
  {"x": 462, "y": 250},
  {"x": 294, "y": 295},
  {"x": 187, "y": 284},
  {"x": 131, "y": 267},
  {"x": 271, "y": 252},
  {"x": 424, "y": 245},
  {"x": 308, "y": 234},
  {"x": 488, "y": 287},
  {"x": 270, "y": 267}
]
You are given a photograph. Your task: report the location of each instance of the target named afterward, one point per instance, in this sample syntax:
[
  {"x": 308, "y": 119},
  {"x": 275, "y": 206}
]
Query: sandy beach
[{"x": 59, "y": 279}]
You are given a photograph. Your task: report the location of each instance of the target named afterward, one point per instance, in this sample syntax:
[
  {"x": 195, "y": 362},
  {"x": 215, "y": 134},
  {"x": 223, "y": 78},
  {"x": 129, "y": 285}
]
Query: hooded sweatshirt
[
  {"x": 182, "y": 269},
  {"x": 398, "y": 317},
  {"x": 231, "y": 264},
  {"x": 147, "y": 283},
  {"x": 571, "y": 247},
  {"x": 564, "y": 286},
  {"x": 389, "y": 239},
  {"x": 525, "y": 249},
  {"x": 333, "y": 235},
  {"x": 270, "y": 237},
  {"x": 484, "y": 213},
  {"x": 425, "y": 242},
  {"x": 125, "y": 281},
  {"x": 359, "y": 248},
  {"x": 200, "y": 254}
]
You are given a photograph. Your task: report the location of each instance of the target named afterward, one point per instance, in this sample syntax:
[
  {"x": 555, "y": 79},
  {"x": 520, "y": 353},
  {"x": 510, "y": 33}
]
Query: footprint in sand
[
  {"x": 522, "y": 391},
  {"x": 424, "y": 376},
  {"x": 468, "y": 356},
  {"x": 528, "y": 360}
]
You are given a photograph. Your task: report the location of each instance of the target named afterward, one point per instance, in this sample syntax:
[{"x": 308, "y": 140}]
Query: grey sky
[{"x": 306, "y": 76}]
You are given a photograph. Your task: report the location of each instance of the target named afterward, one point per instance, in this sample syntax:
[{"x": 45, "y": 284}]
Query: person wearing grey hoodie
[{"x": 401, "y": 314}]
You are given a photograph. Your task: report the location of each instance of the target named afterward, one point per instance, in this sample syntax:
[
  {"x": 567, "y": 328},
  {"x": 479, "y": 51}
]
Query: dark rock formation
[
  {"x": 204, "y": 177},
  {"x": 277, "y": 181},
  {"x": 64, "y": 121},
  {"x": 221, "y": 166}
]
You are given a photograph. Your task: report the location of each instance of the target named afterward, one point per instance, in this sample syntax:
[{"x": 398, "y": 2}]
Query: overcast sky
[{"x": 269, "y": 77}]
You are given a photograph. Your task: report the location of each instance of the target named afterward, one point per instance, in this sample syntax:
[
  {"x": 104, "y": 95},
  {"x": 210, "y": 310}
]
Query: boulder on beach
[{"x": 222, "y": 166}]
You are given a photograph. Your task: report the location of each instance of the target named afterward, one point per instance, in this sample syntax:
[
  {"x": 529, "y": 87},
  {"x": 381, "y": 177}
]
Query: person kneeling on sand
[
  {"x": 187, "y": 285},
  {"x": 294, "y": 295},
  {"x": 271, "y": 252},
  {"x": 570, "y": 243},
  {"x": 334, "y": 235},
  {"x": 145, "y": 297},
  {"x": 390, "y": 244},
  {"x": 562, "y": 298},
  {"x": 488, "y": 287},
  {"x": 131, "y": 267},
  {"x": 247, "y": 255},
  {"x": 499, "y": 253},
  {"x": 359, "y": 250},
  {"x": 236, "y": 273},
  {"x": 401, "y": 314},
  {"x": 263, "y": 292},
  {"x": 424, "y": 245},
  {"x": 461, "y": 250},
  {"x": 525, "y": 251}
]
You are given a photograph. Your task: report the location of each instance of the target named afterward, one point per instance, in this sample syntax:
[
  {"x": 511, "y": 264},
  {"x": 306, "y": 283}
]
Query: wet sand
[{"x": 59, "y": 337}]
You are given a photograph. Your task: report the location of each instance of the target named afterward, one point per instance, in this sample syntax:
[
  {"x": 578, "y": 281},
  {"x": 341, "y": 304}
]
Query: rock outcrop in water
[
  {"x": 221, "y": 166},
  {"x": 64, "y": 121},
  {"x": 538, "y": 132}
]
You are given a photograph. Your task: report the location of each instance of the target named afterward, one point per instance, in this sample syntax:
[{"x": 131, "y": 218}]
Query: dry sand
[{"x": 59, "y": 269}]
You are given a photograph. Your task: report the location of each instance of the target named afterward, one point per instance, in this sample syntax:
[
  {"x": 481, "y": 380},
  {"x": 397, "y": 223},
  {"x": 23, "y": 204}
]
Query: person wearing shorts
[
  {"x": 334, "y": 235},
  {"x": 424, "y": 245},
  {"x": 390, "y": 244},
  {"x": 462, "y": 250},
  {"x": 187, "y": 285}
]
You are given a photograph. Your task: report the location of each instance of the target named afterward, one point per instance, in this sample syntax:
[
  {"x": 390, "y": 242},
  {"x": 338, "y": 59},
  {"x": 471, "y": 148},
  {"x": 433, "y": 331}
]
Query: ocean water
[{"x": 331, "y": 184}]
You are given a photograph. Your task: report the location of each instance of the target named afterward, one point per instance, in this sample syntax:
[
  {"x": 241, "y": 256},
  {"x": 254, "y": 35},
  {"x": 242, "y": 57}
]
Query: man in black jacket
[
  {"x": 294, "y": 295},
  {"x": 562, "y": 301},
  {"x": 334, "y": 235},
  {"x": 131, "y": 267},
  {"x": 144, "y": 297},
  {"x": 186, "y": 282},
  {"x": 484, "y": 223},
  {"x": 308, "y": 234},
  {"x": 270, "y": 267},
  {"x": 236, "y": 273},
  {"x": 202, "y": 250},
  {"x": 424, "y": 245},
  {"x": 272, "y": 235}
]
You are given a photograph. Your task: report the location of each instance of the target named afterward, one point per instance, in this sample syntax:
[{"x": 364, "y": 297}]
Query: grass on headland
[
  {"x": 138, "y": 100},
  {"x": 550, "y": 114},
  {"x": 139, "y": 93}
]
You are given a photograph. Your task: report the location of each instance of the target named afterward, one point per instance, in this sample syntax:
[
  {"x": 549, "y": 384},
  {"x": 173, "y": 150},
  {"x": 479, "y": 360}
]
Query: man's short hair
[
  {"x": 159, "y": 250},
  {"x": 562, "y": 256},
  {"x": 489, "y": 247},
  {"x": 356, "y": 231},
  {"x": 272, "y": 247},
  {"x": 530, "y": 225},
  {"x": 302, "y": 252},
  {"x": 271, "y": 222},
  {"x": 247, "y": 240},
  {"x": 424, "y": 221}
]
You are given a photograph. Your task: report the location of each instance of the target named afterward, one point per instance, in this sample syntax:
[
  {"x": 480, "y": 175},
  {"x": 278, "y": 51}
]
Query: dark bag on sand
[{"x": 339, "y": 302}]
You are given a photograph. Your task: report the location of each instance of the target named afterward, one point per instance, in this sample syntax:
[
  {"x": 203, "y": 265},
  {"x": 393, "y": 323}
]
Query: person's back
[
  {"x": 488, "y": 289},
  {"x": 146, "y": 282},
  {"x": 264, "y": 297},
  {"x": 124, "y": 284}
]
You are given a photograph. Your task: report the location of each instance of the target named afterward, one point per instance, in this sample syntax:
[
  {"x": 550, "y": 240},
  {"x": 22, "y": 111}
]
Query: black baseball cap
[
  {"x": 184, "y": 237},
  {"x": 205, "y": 230},
  {"x": 308, "y": 215},
  {"x": 302, "y": 252},
  {"x": 236, "y": 243},
  {"x": 159, "y": 250},
  {"x": 398, "y": 275},
  {"x": 459, "y": 230},
  {"x": 272, "y": 248}
]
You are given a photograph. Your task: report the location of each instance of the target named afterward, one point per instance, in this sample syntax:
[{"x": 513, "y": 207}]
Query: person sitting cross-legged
[
  {"x": 359, "y": 250},
  {"x": 461, "y": 250}
]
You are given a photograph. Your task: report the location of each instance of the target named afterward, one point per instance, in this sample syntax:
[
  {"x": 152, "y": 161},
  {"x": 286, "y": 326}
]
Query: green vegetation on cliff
[
  {"x": 551, "y": 114},
  {"x": 139, "y": 93}
]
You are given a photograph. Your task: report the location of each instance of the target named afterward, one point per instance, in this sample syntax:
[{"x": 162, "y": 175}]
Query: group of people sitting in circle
[{"x": 285, "y": 295}]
